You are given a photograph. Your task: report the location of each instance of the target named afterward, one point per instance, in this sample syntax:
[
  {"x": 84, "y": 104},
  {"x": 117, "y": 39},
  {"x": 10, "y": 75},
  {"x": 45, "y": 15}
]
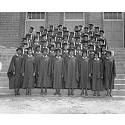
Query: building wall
[
  {"x": 9, "y": 28},
  {"x": 12, "y": 24}
]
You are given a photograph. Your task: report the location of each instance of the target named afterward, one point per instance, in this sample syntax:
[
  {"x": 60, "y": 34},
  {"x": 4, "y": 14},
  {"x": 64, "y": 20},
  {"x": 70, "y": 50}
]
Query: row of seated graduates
[{"x": 89, "y": 38}]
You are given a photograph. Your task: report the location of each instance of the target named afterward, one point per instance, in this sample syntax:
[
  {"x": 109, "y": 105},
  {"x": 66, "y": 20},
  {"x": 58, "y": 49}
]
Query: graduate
[
  {"x": 71, "y": 72},
  {"x": 57, "y": 72},
  {"x": 14, "y": 74},
  {"x": 84, "y": 72},
  {"x": 109, "y": 73},
  {"x": 96, "y": 74},
  {"x": 44, "y": 80},
  {"x": 28, "y": 72}
]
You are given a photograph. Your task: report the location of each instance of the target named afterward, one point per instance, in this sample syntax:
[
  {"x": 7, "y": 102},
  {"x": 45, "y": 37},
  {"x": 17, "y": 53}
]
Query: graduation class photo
[{"x": 60, "y": 59}]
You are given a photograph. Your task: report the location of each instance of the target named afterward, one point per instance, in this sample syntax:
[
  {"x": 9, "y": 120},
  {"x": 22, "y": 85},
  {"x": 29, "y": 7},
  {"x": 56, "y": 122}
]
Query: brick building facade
[{"x": 14, "y": 25}]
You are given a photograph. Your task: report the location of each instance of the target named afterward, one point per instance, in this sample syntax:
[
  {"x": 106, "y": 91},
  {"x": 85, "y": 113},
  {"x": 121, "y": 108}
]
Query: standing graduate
[
  {"x": 109, "y": 72},
  {"x": 97, "y": 74},
  {"x": 43, "y": 72},
  {"x": 28, "y": 72},
  {"x": 84, "y": 72},
  {"x": 57, "y": 71},
  {"x": 71, "y": 76},
  {"x": 14, "y": 74}
]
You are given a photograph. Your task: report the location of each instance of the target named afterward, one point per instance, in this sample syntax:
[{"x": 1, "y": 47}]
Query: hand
[
  {"x": 33, "y": 74},
  {"x": 22, "y": 74},
  {"x": 89, "y": 74},
  {"x": 13, "y": 72}
]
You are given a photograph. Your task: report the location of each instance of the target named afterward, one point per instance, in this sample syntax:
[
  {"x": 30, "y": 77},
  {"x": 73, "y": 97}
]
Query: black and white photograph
[{"x": 62, "y": 62}]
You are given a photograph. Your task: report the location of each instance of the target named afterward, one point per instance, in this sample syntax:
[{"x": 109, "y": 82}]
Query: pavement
[{"x": 50, "y": 104}]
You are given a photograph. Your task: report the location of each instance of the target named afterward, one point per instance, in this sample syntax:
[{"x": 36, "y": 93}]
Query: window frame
[
  {"x": 74, "y": 19},
  {"x": 35, "y": 19},
  {"x": 112, "y": 19}
]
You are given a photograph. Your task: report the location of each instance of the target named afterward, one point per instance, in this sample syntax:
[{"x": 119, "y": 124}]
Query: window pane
[
  {"x": 110, "y": 15},
  {"x": 119, "y": 15},
  {"x": 105, "y": 15},
  {"x": 33, "y": 15},
  {"x": 29, "y": 16},
  {"x": 114, "y": 15},
  {"x": 42, "y": 15},
  {"x": 38, "y": 15}
]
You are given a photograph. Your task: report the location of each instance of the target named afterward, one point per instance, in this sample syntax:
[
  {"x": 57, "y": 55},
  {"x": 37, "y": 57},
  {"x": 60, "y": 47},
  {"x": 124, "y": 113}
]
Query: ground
[{"x": 50, "y": 104}]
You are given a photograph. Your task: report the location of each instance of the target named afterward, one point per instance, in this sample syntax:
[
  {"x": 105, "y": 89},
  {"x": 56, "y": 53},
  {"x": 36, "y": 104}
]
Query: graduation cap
[
  {"x": 38, "y": 33},
  {"x": 41, "y": 27},
  {"x": 85, "y": 35},
  {"x": 101, "y": 31},
  {"x": 97, "y": 35},
  {"x": 64, "y": 27},
  {"x": 51, "y": 26},
  {"x": 50, "y": 31},
  {"x": 84, "y": 51},
  {"x": 91, "y": 24},
  {"x": 86, "y": 27},
  {"x": 77, "y": 37},
  {"x": 31, "y": 27},
  {"x": 59, "y": 25},
  {"x": 55, "y": 28},
  {"x": 19, "y": 48},
  {"x": 71, "y": 49},
  {"x": 45, "y": 29},
  {"x": 91, "y": 46},
  {"x": 108, "y": 52},
  {"x": 24, "y": 39},
  {"x": 76, "y": 26},
  {"x": 96, "y": 27},
  {"x": 60, "y": 32},
  {"x": 80, "y": 26}
]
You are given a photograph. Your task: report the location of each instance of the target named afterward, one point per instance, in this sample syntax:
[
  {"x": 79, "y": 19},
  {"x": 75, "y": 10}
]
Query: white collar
[
  {"x": 18, "y": 55},
  {"x": 108, "y": 57},
  {"x": 45, "y": 56},
  {"x": 71, "y": 56},
  {"x": 58, "y": 57},
  {"x": 96, "y": 59},
  {"x": 38, "y": 52},
  {"x": 30, "y": 56},
  {"x": 84, "y": 57}
]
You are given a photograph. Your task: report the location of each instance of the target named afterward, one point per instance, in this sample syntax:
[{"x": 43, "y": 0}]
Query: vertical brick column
[
  {"x": 96, "y": 18},
  {"x": 22, "y": 26},
  {"x": 54, "y": 18},
  {"x": 9, "y": 28}
]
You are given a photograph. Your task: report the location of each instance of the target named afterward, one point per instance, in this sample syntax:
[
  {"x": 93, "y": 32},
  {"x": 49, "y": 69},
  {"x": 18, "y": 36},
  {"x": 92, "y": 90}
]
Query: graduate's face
[
  {"x": 78, "y": 48},
  {"x": 38, "y": 49},
  {"x": 58, "y": 53},
  {"x": 85, "y": 30},
  {"x": 84, "y": 54},
  {"x": 44, "y": 52},
  {"x": 65, "y": 47},
  {"x": 86, "y": 38},
  {"x": 85, "y": 44},
  {"x": 19, "y": 52},
  {"x": 58, "y": 45},
  {"x": 78, "y": 40},
  {"x": 71, "y": 53},
  {"x": 52, "y": 40},
  {"x": 108, "y": 55},
  {"x": 41, "y": 29},
  {"x": 29, "y": 51},
  {"x": 103, "y": 48},
  {"x": 91, "y": 49},
  {"x": 30, "y": 30},
  {"x": 96, "y": 56}
]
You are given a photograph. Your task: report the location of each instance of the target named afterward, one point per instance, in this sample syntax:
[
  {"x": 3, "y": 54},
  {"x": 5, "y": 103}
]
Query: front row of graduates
[{"x": 69, "y": 72}]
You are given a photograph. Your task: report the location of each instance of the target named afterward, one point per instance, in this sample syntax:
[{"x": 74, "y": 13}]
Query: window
[
  {"x": 74, "y": 16},
  {"x": 36, "y": 16},
  {"x": 113, "y": 15}
]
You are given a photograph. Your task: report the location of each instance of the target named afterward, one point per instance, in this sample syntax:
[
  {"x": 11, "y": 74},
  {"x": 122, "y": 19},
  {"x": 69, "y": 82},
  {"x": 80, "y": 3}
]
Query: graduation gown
[
  {"x": 15, "y": 81},
  {"x": 28, "y": 69},
  {"x": 43, "y": 72},
  {"x": 71, "y": 73},
  {"x": 96, "y": 71},
  {"x": 57, "y": 71},
  {"x": 84, "y": 71},
  {"x": 109, "y": 73},
  {"x": 37, "y": 58}
]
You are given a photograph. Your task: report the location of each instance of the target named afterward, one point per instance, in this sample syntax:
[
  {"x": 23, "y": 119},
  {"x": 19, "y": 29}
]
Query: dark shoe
[
  {"x": 55, "y": 93},
  {"x": 94, "y": 94},
  {"x": 59, "y": 93},
  {"x": 86, "y": 94},
  {"x": 82, "y": 93}
]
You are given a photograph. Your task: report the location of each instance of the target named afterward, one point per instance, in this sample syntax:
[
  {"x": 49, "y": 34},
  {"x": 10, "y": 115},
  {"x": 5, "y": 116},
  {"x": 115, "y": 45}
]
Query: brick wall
[
  {"x": 96, "y": 18},
  {"x": 54, "y": 18},
  {"x": 11, "y": 28}
]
